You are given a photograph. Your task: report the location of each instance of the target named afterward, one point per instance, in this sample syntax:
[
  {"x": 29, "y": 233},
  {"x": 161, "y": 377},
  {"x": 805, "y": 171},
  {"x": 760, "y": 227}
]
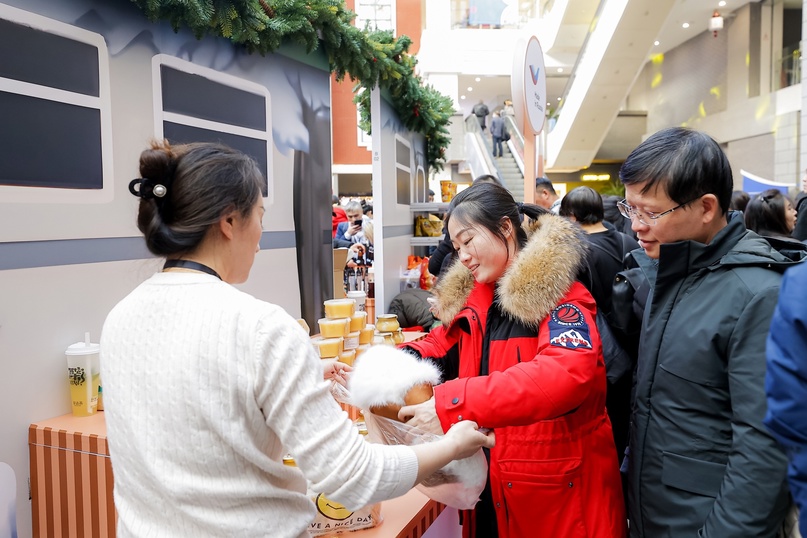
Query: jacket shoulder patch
[{"x": 568, "y": 328}]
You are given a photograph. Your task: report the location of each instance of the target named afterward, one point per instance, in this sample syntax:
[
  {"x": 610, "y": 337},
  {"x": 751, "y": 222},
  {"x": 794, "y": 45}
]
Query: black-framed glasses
[{"x": 648, "y": 218}]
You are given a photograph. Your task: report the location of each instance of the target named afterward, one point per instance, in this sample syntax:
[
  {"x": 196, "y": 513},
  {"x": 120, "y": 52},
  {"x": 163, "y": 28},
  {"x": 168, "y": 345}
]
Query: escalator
[{"x": 509, "y": 168}]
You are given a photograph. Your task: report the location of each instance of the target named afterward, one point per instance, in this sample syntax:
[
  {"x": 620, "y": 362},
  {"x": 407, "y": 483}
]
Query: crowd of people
[
  {"x": 533, "y": 345},
  {"x": 499, "y": 130},
  {"x": 689, "y": 424}
]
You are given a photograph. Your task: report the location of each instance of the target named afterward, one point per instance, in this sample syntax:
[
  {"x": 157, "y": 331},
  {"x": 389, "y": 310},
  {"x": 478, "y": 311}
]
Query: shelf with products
[
  {"x": 426, "y": 241},
  {"x": 432, "y": 207}
]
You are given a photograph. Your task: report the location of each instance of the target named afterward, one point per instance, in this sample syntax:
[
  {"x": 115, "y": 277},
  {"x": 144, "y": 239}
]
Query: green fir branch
[{"x": 369, "y": 58}]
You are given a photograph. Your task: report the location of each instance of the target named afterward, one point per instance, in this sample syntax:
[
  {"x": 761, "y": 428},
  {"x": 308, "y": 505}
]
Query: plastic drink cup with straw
[{"x": 84, "y": 376}]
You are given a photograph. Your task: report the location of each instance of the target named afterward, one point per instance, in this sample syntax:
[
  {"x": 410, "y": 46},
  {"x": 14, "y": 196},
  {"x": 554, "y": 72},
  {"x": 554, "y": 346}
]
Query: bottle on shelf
[{"x": 369, "y": 301}]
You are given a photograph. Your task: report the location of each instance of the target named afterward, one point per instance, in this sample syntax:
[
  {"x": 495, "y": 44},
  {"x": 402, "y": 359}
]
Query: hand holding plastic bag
[
  {"x": 382, "y": 377},
  {"x": 458, "y": 484}
]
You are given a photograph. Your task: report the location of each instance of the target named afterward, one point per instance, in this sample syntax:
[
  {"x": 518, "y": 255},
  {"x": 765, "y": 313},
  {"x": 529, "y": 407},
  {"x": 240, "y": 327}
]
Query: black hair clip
[{"x": 147, "y": 188}]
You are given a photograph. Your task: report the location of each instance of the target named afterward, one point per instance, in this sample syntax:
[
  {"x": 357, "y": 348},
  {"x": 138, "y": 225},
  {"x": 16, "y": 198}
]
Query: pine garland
[{"x": 369, "y": 58}]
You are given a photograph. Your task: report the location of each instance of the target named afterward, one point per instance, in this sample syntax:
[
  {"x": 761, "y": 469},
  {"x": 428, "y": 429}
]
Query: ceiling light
[
  {"x": 470, "y": 89},
  {"x": 462, "y": 97},
  {"x": 685, "y": 25},
  {"x": 722, "y": 3},
  {"x": 560, "y": 70},
  {"x": 559, "y": 98},
  {"x": 477, "y": 79},
  {"x": 656, "y": 43}
]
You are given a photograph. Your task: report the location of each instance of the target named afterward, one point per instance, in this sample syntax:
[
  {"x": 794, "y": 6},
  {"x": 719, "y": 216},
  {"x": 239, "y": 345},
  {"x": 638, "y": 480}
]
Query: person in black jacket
[
  {"x": 701, "y": 461},
  {"x": 481, "y": 112},
  {"x": 604, "y": 259}
]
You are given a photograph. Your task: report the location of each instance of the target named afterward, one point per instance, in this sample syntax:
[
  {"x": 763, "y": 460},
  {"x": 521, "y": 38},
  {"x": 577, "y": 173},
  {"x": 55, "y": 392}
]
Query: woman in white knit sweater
[{"x": 206, "y": 387}]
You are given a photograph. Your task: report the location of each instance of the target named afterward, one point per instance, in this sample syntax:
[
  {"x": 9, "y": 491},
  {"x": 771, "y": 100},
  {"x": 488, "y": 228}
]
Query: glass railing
[
  {"x": 478, "y": 149},
  {"x": 787, "y": 68},
  {"x": 516, "y": 141}
]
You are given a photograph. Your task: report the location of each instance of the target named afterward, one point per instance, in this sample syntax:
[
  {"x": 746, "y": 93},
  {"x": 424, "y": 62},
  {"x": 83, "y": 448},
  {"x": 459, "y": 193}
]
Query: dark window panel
[
  {"x": 38, "y": 57},
  {"x": 403, "y": 154},
  {"x": 403, "y": 182},
  {"x": 199, "y": 97},
  {"x": 49, "y": 144},
  {"x": 255, "y": 148}
]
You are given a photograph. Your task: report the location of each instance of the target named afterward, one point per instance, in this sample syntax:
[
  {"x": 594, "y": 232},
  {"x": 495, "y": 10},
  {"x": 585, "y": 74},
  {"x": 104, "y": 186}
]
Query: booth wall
[{"x": 65, "y": 261}]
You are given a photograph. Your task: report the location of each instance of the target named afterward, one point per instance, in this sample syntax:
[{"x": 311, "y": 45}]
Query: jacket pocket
[
  {"x": 542, "y": 498},
  {"x": 690, "y": 474},
  {"x": 709, "y": 373}
]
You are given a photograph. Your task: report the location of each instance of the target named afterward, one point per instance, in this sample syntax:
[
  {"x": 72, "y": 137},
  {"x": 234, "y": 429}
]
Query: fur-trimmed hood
[{"x": 539, "y": 276}]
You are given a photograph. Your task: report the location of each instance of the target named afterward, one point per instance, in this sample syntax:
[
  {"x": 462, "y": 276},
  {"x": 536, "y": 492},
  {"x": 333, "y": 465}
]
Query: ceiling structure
[{"x": 651, "y": 26}]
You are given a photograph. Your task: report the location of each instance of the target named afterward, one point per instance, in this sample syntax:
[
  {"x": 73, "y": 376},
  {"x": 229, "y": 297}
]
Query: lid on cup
[
  {"x": 83, "y": 348},
  {"x": 80, "y": 348}
]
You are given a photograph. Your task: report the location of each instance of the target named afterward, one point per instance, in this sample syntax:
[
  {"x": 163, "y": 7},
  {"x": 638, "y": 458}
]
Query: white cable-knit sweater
[{"x": 205, "y": 389}]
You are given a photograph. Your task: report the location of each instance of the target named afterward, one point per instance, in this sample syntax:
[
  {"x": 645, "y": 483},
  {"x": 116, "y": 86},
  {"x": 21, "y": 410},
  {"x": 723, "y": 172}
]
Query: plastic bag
[
  {"x": 458, "y": 484},
  {"x": 428, "y": 226},
  {"x": 426, "y": 278}
]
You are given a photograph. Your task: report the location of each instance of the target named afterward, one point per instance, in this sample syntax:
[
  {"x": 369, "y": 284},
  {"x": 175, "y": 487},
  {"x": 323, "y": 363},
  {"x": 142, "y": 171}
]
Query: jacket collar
[
  {"x": 734, "y": 245},
  {"x": 539, "y": 276}
]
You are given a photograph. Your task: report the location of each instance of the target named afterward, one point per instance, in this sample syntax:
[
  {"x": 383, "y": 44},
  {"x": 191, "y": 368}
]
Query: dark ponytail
[{"x": 184, "y": 190}]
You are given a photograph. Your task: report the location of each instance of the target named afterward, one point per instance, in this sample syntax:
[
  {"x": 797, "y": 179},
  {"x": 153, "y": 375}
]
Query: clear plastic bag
[{"x": 457, "y": 485}]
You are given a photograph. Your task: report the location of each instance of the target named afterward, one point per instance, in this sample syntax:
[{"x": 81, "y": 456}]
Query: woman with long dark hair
[
  {"x": 530, "y": 367},
  {"x": 771, "y": 214}
]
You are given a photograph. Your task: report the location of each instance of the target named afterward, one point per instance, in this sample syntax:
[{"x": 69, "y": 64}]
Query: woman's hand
[
  {"x": 422, "y": 416},
  {"x": 469, "y": 438},
  {"x": 337, "y": 371}
]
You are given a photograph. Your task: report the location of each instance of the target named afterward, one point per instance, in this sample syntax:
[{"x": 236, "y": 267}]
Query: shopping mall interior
[
  {"x": 86, "y": 84},
  {"x": 616, "y": 72}
]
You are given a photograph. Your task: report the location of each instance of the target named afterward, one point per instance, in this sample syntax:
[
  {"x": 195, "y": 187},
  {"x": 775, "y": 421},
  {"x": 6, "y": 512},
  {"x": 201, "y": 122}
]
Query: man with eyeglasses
[{"x": 701, "y": 462}]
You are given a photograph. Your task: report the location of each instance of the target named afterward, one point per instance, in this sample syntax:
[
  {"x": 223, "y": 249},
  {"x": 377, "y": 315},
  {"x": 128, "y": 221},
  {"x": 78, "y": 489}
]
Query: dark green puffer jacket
[{"x": 701, "y": 461}]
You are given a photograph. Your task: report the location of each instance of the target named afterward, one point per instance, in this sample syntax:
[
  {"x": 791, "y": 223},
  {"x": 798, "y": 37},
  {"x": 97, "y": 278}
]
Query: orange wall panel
[
  {"x": 343, "y": 121},
  {"x": 409, "y": 20}
]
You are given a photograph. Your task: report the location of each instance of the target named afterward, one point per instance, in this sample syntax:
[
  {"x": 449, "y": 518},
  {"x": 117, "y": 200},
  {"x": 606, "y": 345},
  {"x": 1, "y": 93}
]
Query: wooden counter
[{"x": 405, "y": 517}]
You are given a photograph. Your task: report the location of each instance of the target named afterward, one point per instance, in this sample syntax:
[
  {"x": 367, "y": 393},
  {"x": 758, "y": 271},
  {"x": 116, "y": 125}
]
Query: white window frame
[
  {"x": 420, "y": 171},
  {"x": 407, "y": 167},
  {"x": 361, "y": 21},
  {"x": 102, "y": 103},
  {"x": 220, "y": 78},
  {"x": 362, "y": 139}
]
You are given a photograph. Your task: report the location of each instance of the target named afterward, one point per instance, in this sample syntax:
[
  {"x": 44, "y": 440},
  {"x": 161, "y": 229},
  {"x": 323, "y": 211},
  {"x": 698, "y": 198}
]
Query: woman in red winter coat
[{"x": 530, "y": 367}]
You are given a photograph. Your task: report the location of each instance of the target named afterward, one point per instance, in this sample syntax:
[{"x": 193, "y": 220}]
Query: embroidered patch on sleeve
[{"x": 568, "y": 328}]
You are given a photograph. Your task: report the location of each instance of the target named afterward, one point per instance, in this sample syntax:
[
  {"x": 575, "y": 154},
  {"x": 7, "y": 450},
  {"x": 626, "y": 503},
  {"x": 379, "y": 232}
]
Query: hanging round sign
[{"x": 530, "y": 76}]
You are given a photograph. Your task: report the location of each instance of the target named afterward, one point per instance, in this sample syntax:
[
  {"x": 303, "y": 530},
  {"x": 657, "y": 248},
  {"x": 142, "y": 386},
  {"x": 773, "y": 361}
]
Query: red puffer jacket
[{"x": 554, "y": 470}]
